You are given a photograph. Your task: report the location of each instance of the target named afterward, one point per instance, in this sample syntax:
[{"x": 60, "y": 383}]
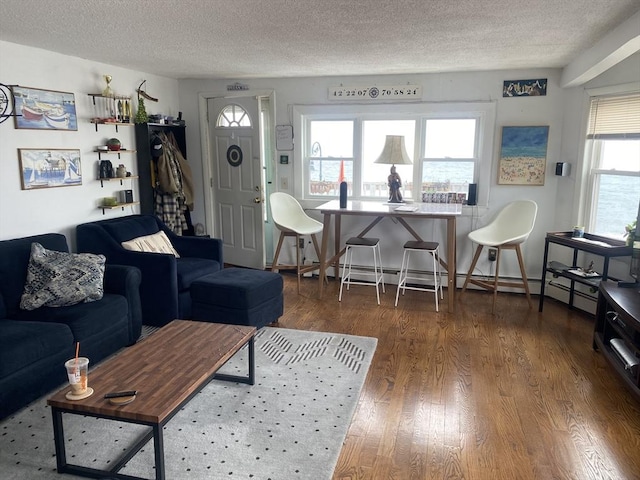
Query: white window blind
[{"x": 614, "y": 117}]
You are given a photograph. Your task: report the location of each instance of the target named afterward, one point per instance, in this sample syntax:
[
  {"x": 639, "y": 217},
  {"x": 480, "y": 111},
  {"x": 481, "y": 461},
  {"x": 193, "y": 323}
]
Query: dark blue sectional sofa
[
  {"x": 165, "y": 290},
  {"x": 35, "y": 344}
]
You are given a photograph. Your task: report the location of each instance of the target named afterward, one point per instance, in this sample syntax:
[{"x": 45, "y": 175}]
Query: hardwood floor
[{"x": 473, "y": 395}]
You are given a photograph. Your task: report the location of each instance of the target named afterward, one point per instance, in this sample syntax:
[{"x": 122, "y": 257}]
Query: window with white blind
[{"x": 613, "y": 152}]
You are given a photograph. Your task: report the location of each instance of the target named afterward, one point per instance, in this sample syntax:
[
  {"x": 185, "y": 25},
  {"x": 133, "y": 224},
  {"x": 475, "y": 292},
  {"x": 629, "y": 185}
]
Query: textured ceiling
[{"x": 236, "y": 39}]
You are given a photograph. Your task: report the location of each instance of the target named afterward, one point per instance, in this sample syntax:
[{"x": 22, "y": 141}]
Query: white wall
[
  {"x": 32, "y": 212},
  {"x": 458, "y": 87},
  {"x": 60, "y": 209}
]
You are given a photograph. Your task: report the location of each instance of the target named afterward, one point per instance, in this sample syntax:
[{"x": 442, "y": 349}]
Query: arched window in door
[{"x": 233, "y": 116}]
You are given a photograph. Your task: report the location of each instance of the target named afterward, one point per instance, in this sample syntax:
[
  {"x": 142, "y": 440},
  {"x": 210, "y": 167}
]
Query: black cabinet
[
  {"x": 597, "y": 245},
  {"x": 617, "y": 331},
  {"x": 146, "y": 171}
]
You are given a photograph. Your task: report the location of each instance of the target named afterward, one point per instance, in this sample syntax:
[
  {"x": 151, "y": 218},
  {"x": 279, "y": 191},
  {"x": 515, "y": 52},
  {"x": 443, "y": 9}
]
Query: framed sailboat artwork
[
  {"x": 39, "y": 109},
  {"x": 54, "y": 167}
]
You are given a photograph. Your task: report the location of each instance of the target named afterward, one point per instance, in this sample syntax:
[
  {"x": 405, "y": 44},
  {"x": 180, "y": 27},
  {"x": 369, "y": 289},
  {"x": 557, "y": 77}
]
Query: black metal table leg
[
  {"x": 58, "y": 439},
  {"x": 250, "y": 378},
  {"x": 252, "y": 361},
  {"x": 158, "y": 442}
]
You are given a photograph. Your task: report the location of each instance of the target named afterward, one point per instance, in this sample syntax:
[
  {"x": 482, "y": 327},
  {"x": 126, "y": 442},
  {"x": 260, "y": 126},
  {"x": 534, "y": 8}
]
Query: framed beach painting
[
  {"x": 523, "y": 155},
  {"x": 39, "y": 109},
  {"x": 46, "y": 168}
]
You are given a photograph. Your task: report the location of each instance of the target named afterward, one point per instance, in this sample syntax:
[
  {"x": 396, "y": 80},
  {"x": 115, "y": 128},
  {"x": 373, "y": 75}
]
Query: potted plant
[{"x": 630, "y": 233}]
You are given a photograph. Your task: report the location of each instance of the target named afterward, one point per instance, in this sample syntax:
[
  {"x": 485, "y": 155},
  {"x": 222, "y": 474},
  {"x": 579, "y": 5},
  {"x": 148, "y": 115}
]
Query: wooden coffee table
[{"x": 167, "y": 369}]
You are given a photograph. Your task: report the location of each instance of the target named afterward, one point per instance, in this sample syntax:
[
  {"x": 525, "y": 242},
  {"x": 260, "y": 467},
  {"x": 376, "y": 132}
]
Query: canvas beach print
[
  {"x": 44, "y": 109},
  {"x": 523, "y": 155},
  {"x": 49, "y": 168}
]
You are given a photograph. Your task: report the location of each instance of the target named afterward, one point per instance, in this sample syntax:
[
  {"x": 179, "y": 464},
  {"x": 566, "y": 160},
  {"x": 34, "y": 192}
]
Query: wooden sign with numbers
[{"x": 375, "y": 93}]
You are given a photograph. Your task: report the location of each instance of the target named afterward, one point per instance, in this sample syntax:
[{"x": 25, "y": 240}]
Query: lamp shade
[{"x": 394, "y": 152}]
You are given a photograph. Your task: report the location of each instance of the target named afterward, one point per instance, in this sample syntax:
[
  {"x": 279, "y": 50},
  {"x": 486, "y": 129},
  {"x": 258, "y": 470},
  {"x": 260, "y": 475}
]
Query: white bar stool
[
  {"x": 427, "y": 247},
  {"x": 355, "y": 243}
]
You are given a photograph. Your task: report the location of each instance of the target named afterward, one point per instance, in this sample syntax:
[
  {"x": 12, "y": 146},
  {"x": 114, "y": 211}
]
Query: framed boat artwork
[
  {"x": 46, "y": 168},
  {"x": 40, "y": 109}
]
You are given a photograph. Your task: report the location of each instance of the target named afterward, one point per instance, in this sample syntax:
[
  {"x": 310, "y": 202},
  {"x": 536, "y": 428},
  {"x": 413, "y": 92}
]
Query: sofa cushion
[
  {"x": 57, "y": 279},
  {"x": 23, "y": 343},
  {"x": 154, "y": 243},
  {"x": 191, "y": 269},
  {"x": 125, "y": 228},
  {"x": 14, "y": 258},
  {"x": 84, "y": 319}
]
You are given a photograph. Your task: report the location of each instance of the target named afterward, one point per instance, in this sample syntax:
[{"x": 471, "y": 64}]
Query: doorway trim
[{"x": 207, "y": 175}]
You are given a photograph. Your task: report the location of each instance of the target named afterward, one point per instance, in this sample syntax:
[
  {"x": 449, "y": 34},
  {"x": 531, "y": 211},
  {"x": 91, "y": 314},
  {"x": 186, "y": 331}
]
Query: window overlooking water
[
  {"x": 330, "y": 147},
  {"x": 450, "y": 155},
  {"x": 443, "y": 141},
  {"x": 613, "y": 152},
  {"x": 373, "y": 181}
]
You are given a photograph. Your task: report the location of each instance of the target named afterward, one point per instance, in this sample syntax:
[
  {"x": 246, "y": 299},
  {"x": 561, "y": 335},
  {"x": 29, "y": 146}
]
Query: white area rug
[{"x": 290, "y": 425}]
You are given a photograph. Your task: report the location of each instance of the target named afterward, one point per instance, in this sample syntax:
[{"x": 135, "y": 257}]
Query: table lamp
[{"x": 394, "y": 153}]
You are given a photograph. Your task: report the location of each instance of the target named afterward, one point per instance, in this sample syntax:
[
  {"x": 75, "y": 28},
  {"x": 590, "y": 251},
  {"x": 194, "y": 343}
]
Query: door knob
[{"x": 257, "y": 200}]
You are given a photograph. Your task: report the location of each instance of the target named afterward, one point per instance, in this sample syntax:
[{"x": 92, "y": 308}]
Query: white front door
[{"x": 237, "y": 186}]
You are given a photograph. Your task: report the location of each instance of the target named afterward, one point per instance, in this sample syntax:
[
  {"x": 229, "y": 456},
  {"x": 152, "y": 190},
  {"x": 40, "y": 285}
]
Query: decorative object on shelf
[
  {"x": 578, "y": 232},
  {"x": 394, "y": 152},
  {"x": 106, "y": 169},
  {"x": 142, "y": 93},
  {"x": 109, "y": 201},
  {"x": 141, "y": 114},
  {"x": 111, "y": 108},
  {"x": 114, "y": 144},
  {"x": 55, "y": 167},
  {"x": 523, "y": 155},
  {"x": 7, "y": 103},
  {"x": 107, "y": 92},
  {"x": 39, "y": 109},
  {"x": 121, "y": 171}
]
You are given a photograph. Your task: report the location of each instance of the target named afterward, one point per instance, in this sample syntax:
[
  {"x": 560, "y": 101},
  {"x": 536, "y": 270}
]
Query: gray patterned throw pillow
[{"x": 59, "y": 279}]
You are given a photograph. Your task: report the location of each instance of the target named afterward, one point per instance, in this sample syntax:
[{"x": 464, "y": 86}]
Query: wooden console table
[{"x": 618, "y": 317}]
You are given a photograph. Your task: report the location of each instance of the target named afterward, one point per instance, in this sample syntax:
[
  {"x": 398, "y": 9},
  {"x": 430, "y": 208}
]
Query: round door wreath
[{"x": 234, "y": 155}]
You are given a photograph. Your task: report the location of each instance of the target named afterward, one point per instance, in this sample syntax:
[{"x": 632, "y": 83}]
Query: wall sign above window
[
  {"x": 524, "y": 88},
  {"x": 374, "y": 93}
]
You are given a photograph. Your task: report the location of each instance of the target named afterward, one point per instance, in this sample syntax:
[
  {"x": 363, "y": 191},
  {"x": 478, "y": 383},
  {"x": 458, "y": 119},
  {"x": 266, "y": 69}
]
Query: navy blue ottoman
[{"x": 238, "y": 296}]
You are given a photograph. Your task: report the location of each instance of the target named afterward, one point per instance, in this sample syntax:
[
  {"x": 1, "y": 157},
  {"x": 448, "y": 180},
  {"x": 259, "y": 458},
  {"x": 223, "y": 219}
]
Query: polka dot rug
[{"x": 290, "y": 425}]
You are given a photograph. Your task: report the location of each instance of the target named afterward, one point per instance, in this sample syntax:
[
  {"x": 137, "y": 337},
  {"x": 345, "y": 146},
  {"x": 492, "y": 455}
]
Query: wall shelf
[
  {"x": 112, "y": 152},
  {"x": 119, "y": 205},
  {"x": 114, "y": 179},
  {"x": 116, "y": 124}
]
